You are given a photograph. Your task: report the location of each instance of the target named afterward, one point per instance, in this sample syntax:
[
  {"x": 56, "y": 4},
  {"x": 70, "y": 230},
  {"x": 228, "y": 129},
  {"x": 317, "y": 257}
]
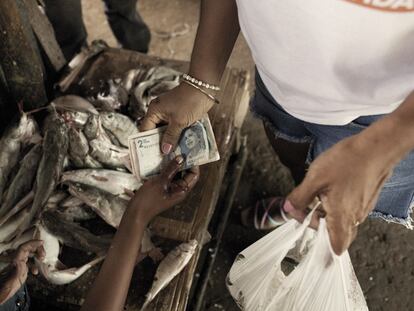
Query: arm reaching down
[
  {"x": 349, "y": 176},
  {"x": 110, "y": 288},
  {"x": 217, "y": 33}
]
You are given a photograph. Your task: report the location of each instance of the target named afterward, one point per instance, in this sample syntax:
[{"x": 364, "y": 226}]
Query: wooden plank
[
  {"x": 19, "y": 56},
  {"x": 45, "y": 34}
]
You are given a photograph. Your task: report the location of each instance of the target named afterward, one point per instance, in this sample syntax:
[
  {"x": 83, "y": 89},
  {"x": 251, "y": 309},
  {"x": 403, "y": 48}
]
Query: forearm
[
  {"x": 393, "y": 135},
  {"x": 217, "y": 33},
  {"x": 110, "y": 288}
]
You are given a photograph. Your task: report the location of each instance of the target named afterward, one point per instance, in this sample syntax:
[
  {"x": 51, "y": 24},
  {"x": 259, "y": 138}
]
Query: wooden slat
[{"x": 45, "y": 34}]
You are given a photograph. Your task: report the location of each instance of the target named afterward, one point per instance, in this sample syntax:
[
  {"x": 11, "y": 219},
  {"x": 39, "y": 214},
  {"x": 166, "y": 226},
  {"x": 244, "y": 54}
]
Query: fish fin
[{"x": 60, "y": 265}]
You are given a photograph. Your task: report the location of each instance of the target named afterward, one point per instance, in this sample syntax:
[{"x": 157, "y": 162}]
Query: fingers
[
  {"x": 152, "y": 118},
  {"x": 170, "y": 137},
  {"x": 341, "y": 231},
  {"x": 191, "y": 177},
  {"x": 301, "y": 198},
  {"x": 186, "y": 183},
  {"x": 29, "y": 249},
  {"x": 180, "y": 188},
  {"x": 33, "y": 268},
  {"x": 171, "y": 170}
]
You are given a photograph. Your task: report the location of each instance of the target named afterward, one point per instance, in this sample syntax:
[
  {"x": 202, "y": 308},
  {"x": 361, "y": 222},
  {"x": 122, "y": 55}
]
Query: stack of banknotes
[{"x": 197, "y": 145}]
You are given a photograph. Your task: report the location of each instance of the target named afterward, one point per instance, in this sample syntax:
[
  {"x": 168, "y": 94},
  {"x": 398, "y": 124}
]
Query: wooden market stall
[{"x": 190, "y": 220}]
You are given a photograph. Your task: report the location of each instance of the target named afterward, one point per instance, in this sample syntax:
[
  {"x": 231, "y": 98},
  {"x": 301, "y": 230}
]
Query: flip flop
[{"x": 267, "y": 214}]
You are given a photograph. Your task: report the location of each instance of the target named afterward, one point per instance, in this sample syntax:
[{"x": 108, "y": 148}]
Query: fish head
[
  {"x": 91, "y": 127},
  {"x": 189, "y": 247},
  {"x": 27, "y": 128},
  {"x": 108, "y": 118},
  {"x": 74, "y": 103}
]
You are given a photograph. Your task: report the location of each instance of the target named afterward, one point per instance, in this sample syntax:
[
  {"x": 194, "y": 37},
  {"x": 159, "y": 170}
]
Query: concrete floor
[{"x": 383, "y": 254}]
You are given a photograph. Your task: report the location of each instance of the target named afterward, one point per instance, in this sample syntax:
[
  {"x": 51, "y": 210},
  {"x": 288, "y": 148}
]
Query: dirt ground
[{"x": 383, "y": 254}]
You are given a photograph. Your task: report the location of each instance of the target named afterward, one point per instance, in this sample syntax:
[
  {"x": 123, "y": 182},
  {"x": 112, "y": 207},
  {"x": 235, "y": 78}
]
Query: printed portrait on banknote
[{"x": 197, "y": 145}]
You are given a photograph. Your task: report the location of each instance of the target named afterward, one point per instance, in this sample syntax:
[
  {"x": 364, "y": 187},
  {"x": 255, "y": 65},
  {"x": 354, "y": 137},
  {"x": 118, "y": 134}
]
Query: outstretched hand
[
  {"x": 165, "y": 190},
  {"x": 14, "y": 276},
  {"x": 179, "y": 108}
]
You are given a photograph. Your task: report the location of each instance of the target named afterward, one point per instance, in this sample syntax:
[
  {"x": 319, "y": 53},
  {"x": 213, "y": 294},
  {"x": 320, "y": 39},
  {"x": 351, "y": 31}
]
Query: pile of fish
[{"x": 75, "y": 168}]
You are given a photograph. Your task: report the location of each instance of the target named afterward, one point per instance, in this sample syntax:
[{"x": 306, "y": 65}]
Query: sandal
[{"x": 267, "y": 214}]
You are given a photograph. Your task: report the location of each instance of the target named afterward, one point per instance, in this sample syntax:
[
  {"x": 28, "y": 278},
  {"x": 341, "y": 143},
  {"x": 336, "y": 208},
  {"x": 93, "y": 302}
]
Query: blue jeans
[
  {"x": 396, "y": 198},
  {"x": 19, "y": 302}
]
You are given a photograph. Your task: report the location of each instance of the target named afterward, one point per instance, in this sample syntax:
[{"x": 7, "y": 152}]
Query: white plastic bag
[{"x": 322, "y": 281}]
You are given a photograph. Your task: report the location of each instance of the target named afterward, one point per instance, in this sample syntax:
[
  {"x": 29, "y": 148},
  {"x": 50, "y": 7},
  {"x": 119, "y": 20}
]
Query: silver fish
[
  {"x": 170, "y": 267},
  {"x": 157, "y": 81},
  {"x": 91, "y": 127},
  {"x": 55, "y": 146},
  {"x": 162, "y": 73},
  {"x": 115, "y": 99},
  {"x": 119, "y": 125},
  {"x": 57, "y": 197},
  {"x": 72, "y": 234},
  {"x": 94, "y": 130},
  {"x": 26, "y": 200},
  {"x": 70, "y": 201},
  {"x": 108, "y": 206},
  {"x": 13, "y": 140},
  {"x": 23, "y": 181},
  {"x": 130, "y": 78},
  {"x": 77, "y": 213},
  {"x": 78, "y": 150},
  {"x": 16, "y": 224},
  {"x": 15, "y": 243},
  {"x": 73, "y": 103},
  {"x": 109, "y": 154},
  {"x": 54, "y": 271},
  {"x": 107, "y": 180},
  {"x": 76, "y": 118}
]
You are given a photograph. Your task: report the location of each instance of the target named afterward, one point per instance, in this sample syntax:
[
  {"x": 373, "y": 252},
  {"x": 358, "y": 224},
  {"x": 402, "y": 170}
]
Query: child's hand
[
  {"x": 15, "y": 275},
  {"x": 164, "y": 191}
]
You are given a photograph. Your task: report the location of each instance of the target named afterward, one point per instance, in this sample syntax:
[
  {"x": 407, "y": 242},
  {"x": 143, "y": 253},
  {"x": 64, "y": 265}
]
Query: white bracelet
[{"x": 206, "y": 85}]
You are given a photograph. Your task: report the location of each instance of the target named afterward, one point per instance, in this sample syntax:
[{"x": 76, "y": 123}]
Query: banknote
[{"x": 197, "y": 145}]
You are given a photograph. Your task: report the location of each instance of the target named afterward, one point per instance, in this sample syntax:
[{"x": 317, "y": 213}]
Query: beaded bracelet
[
  {"x": 195, "y": 81},
  {"x": 202, "y": 91}
]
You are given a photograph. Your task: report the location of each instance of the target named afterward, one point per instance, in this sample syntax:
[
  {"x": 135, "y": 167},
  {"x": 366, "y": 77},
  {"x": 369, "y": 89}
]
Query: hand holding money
[
  {"x": 180, "y": 107},
  {"x": 165, "y": 190},
  {"x": 196, "y": 145}
]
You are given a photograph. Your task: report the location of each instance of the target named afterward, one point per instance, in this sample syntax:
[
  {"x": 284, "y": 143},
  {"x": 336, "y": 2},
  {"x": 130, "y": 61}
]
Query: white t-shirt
[{"x": 331, "y": 61}]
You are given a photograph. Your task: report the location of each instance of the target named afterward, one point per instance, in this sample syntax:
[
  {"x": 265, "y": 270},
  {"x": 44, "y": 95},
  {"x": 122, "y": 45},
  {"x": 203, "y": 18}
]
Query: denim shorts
[{"x": 396, "y": 198}]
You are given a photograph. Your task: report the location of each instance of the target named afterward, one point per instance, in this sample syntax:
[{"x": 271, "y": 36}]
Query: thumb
[
  {"x": 170, "y": 137},
  {"x": 300, "y": 198},
  {"x": 150, "y": 121}
]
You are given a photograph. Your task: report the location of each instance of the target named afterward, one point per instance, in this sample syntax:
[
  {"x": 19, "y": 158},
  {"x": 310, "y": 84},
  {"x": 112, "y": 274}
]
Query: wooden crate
[{"x": 187, "y": 221}]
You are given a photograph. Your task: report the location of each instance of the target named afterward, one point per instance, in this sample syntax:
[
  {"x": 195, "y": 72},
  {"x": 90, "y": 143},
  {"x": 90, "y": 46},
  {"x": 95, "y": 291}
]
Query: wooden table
[{"x": 189, "y": 220}]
